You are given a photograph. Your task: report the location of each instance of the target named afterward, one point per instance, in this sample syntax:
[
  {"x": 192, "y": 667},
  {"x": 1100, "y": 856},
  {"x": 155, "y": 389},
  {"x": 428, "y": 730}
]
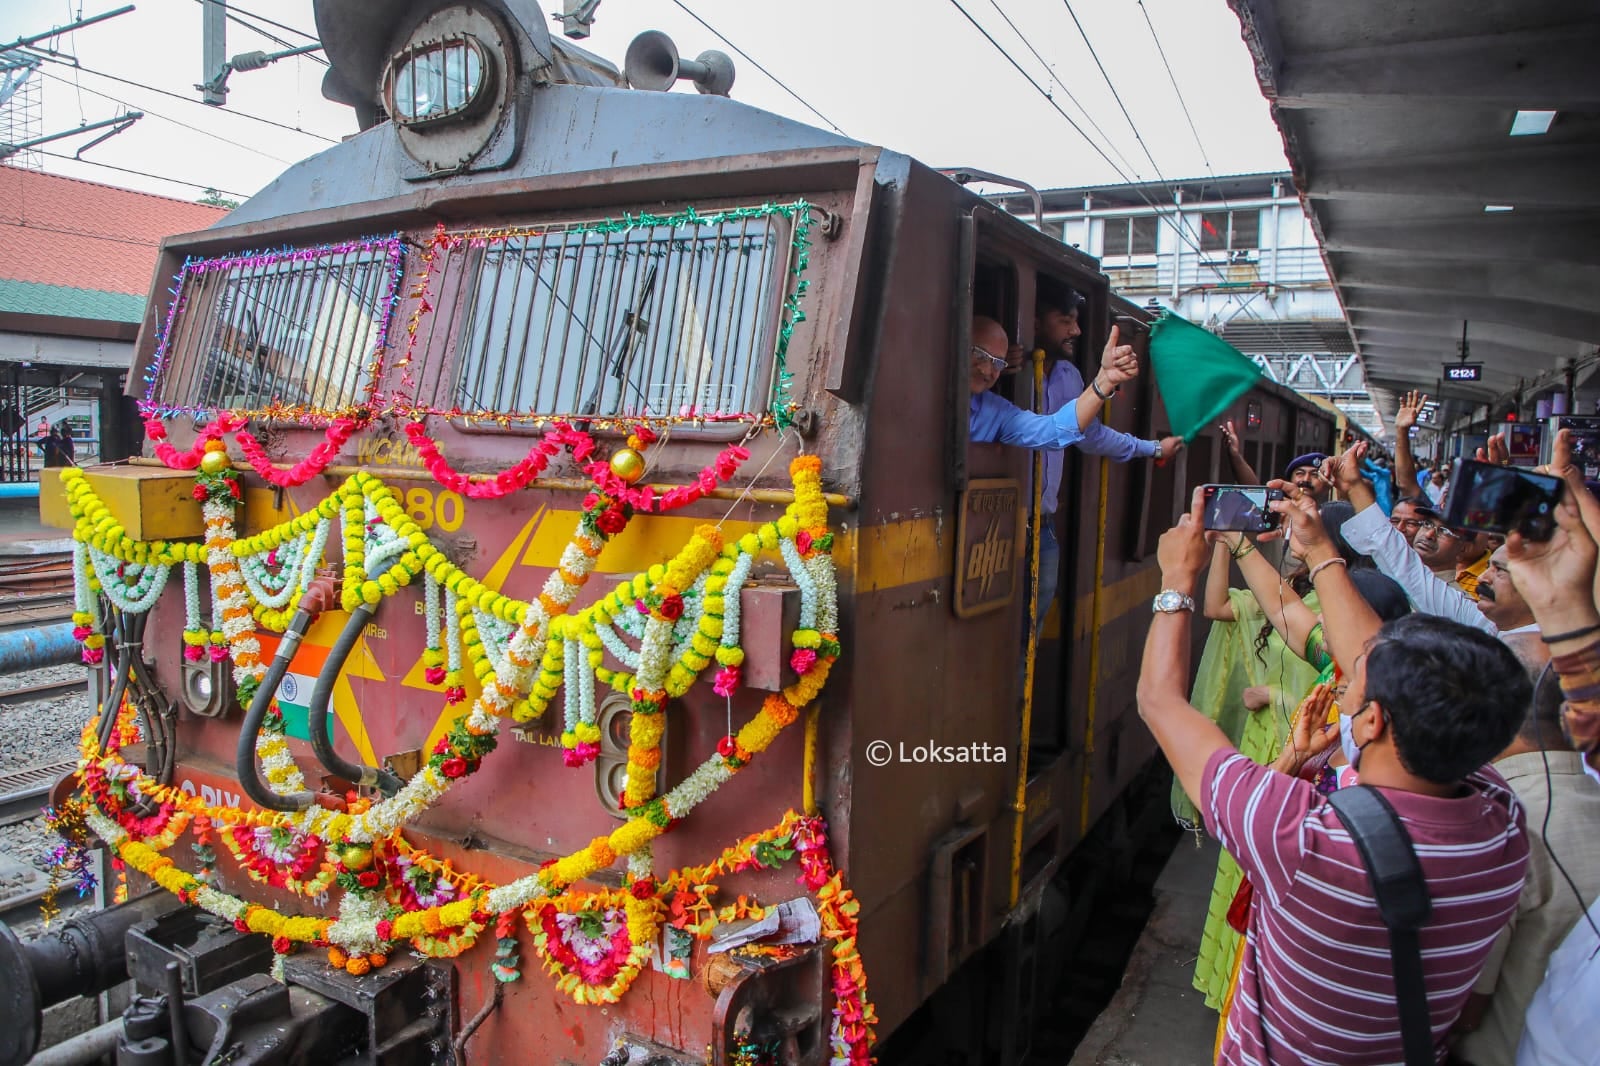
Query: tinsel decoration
[{"x": 68, "y": 860}]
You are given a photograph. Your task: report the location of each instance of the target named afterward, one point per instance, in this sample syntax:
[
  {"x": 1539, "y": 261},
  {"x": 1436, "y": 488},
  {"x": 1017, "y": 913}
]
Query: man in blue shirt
[
  {"x": 1056, "y": 331},
  {"x": 993, "y": 419}
]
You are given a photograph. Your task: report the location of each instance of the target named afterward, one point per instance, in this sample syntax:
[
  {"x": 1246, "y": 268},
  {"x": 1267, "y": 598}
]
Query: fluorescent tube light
[{"x": 1532, "y": 123}]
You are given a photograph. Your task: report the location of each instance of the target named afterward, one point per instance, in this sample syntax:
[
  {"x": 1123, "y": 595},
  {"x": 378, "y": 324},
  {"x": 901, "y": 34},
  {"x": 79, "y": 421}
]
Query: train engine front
[{"x": 463, "y": 639}]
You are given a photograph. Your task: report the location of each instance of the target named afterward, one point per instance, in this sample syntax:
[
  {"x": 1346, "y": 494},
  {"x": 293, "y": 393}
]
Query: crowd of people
[
  {"x": 1394, "y": 733},
  {"x": 1453, "y": 676}
]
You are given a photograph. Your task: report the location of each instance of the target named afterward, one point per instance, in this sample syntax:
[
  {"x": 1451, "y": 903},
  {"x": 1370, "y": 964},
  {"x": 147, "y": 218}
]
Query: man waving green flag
[{"x": 1199, "y": 374}]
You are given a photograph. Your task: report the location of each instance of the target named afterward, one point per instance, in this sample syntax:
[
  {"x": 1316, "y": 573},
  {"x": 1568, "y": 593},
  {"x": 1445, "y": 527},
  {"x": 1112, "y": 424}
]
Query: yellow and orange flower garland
[{"x": 362, "y": 936}]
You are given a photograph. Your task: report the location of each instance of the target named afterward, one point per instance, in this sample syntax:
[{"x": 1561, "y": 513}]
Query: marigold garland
[{"x": 273, "y": 846}]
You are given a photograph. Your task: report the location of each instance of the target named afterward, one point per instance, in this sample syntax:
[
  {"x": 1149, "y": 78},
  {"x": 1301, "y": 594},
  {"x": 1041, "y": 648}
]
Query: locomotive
[{"x": 559, "y": 616}]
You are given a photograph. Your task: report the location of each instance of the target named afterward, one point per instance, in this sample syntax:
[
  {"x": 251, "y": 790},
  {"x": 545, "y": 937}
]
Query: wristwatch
[{"x": 1170, "y": 601}]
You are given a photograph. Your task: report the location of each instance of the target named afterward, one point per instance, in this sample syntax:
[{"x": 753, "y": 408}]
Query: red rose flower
[
  {"x": 198, "y": 492},
  {"x": 385, "y": 930},
  {"x": 434, "y": 675},
  {"x": 282, "y": 945},
  {"x": 455, "y": 766},
  {"x": 643, "y": 888},
  {"x": 610, "y": 522},
  {"x": 726, "y": 747},
  {"x": 591, "y": 501},
  {"x": 672, "y": 608},
  {"x": 442, "y": 747},
  {"x": 369, "y": 878}
]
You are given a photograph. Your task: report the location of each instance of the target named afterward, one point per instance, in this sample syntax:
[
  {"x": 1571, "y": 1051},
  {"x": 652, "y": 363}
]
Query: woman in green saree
[{"x": 1250, "y": 682}]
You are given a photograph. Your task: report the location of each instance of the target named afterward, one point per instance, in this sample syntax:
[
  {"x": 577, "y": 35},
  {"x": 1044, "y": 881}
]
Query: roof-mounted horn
[{"x": 652, "y": 64}]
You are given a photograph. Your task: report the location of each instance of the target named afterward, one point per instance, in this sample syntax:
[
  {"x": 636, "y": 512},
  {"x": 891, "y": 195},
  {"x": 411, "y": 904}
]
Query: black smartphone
[
  {"x": 1486, "y": 498},
  {"x": 1585, "y": 441},
  {"x": 1240, "y": 508}
]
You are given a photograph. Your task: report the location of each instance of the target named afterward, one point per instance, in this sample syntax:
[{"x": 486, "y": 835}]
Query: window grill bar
[
  {"x": 629, "y": 321},
  {"x": 520, "y": 248},
  {"x": 186, "y": 368},
  {"x": 275, "y": 333},
  {"x": 328, "y": 350}
]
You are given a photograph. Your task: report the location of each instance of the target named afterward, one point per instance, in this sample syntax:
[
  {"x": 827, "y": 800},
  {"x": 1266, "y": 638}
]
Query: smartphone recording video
[
  {"x": 1585, "y": 442},
  {"x": 1485, "y": 498},
  {"x": 1240, "y": 508}
]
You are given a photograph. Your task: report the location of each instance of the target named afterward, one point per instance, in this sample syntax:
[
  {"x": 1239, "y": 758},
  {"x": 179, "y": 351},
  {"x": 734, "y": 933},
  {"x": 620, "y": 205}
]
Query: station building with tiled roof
[{"x": 77, "y": 262}]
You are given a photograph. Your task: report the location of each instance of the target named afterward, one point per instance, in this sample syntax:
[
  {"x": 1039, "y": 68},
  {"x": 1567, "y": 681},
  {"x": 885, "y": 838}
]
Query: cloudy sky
[{"x": 914, "y": 75}]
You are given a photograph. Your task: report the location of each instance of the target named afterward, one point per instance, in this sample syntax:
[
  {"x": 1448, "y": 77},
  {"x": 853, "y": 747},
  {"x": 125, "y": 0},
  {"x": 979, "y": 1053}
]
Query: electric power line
[
  {"x": 274, "y": 38},
  {"x": 269, "y": 22},
  {"x": 1114, "y": 94},
  {"x": 174, "y": 121},
  {"x": 143, "y": 174},
  {"x": 1177, "y": 217},
  {"x": 1076, "y": 102},
  {"x": 1173, "y": 78},
  {"x": 186, "y": 99},
  {"x": 747, "y": 58}
]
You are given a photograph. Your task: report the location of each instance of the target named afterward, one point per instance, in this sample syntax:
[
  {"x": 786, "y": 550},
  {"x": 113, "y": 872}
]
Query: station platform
[{"x": 1157, "y": 1018}]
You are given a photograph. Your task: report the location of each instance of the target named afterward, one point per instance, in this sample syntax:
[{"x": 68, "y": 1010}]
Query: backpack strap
[{"x": 1403, "y": 902}]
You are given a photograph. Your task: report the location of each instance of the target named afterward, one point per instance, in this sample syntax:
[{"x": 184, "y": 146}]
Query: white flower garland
[
  {"x": 301, "y": 555},
  {"x": 826, "y": 581},
  {"x": 191, "y": 598},
  {"x": 731, "y": 600},
  {"x": 82, "y": 595},
  {"x": 430, "y": 606},
  {"x": 801, "y": 576},
  {"x": 452, "y": 633},
  {"x": 147, "y": 581}
]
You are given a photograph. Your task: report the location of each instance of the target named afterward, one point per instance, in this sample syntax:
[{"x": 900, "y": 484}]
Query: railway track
[
  {"x": 36, "y": 611},
  {"x": 15, "y": 697},
  {"x": 24, "y": 792}
]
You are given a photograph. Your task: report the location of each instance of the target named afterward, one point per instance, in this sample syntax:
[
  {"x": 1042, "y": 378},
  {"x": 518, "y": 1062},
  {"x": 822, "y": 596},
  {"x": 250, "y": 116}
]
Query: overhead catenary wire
[
  {"x": 235, "y": 8},
  {"x": 274, "y": 38},
  {"x": 1175, "y": 216},
  {"x": 1088, "y": 116},
  {"x": 185, "y": 99},
  {"x": 174, "y": 121},
  {"x": 144, "y": 174},
  {"x": 747, "y": 57},
  {"x": 1095, "y": 55}
]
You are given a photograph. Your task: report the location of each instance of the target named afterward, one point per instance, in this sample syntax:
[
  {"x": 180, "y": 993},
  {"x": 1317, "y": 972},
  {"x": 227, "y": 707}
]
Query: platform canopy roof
[{"x": 1403, "y": 123}]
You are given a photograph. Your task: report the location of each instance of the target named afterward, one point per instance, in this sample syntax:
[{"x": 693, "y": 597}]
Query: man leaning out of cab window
[{"x": 993, "y": 419}]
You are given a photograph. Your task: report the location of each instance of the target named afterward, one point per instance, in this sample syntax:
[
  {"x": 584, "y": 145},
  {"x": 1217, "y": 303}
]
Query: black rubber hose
[
  {"x": 317, "y": 716},
  {"x": 244, "y": 760},
  {"x": 112, "y": 707}
]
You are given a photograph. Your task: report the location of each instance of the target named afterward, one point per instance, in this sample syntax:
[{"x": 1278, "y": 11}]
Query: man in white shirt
[{"x": 1370, "y": 533}]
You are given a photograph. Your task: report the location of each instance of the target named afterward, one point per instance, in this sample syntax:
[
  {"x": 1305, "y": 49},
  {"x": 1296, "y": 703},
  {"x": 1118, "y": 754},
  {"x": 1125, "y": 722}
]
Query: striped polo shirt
[{"x": 1316, "y": 984}]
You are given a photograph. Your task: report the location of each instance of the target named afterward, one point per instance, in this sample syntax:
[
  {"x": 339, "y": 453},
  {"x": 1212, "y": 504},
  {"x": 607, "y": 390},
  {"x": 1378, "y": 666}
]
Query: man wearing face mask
[{"x": 1433, "y": 702}]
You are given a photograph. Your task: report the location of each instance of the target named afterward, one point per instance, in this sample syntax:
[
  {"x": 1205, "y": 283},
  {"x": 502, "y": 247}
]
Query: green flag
[{"x": 1199, "y": 374}]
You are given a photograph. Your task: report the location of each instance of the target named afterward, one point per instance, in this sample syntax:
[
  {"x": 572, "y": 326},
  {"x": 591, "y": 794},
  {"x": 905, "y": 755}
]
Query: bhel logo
[{"x": 882, "y": 753}]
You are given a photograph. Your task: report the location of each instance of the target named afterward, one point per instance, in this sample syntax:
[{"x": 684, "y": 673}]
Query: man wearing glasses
[
  {"x": 1456, "y": 558},
  {"x": 993, "y": 419}
]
